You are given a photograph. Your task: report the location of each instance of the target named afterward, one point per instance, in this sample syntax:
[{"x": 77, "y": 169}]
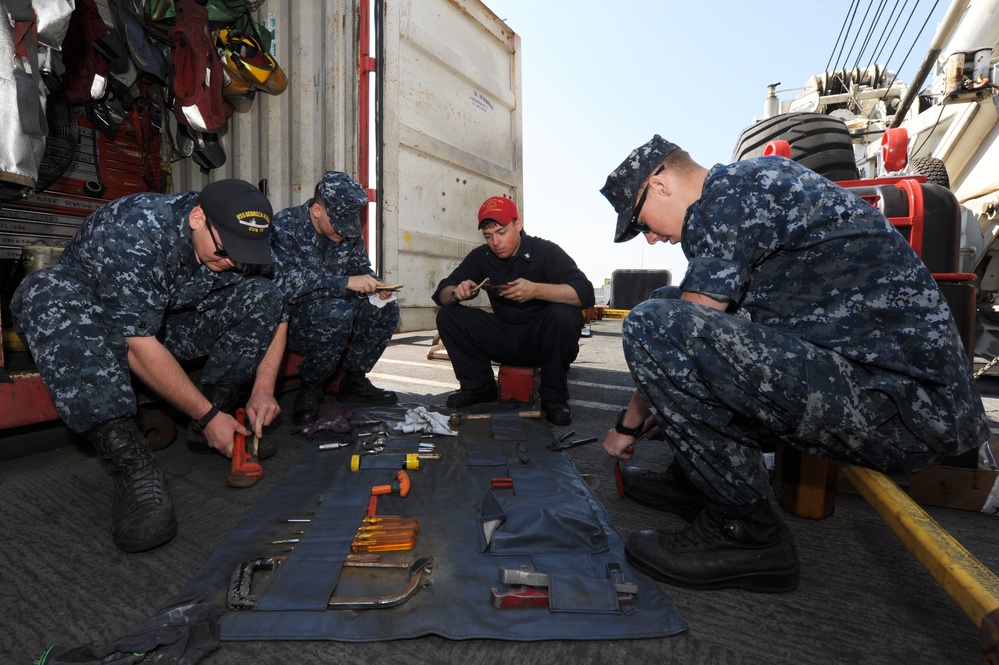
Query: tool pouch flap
[
  {"x": 305, "y": 581},
  {"x": 579, "y": 593},
  {"x": 531, "y": 481},
  {"x": 508, "y": 429},
  {"x": 535, "y": 525},
  {"x": 484, "y": 452}
]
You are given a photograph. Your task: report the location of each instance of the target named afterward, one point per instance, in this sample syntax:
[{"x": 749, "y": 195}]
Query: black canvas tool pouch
[
  {"x": 550, "y": 522},
  {"x": 306, "y": 579},
  {"x": 538, "y": 525}
]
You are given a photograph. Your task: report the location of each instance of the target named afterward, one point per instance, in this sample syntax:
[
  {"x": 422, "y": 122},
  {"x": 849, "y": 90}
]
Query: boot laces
[
  {"x": 139, "y": 479},
  {"x": 360, "y": 383},
  {"x": 707, "y": 529}
]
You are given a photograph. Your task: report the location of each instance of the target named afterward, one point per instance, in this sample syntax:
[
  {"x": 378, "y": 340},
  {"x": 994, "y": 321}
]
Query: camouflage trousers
[
  {"x": 84, "y": 362},
  {"x": 720, "y": 386},
  {"x": 320, "y": 330}
]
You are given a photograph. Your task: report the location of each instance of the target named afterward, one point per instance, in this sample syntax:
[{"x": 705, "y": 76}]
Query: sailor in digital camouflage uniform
[
  {"x": 322, "y": 267},
  {"x": 147, "y": 282},
  {"x": 804, "y": 319}
]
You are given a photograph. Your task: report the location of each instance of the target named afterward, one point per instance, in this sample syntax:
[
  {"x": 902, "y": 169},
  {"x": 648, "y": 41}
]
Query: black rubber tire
[
  {"x": 818, "y": 141},
  {"x": 933, "y": 168}
]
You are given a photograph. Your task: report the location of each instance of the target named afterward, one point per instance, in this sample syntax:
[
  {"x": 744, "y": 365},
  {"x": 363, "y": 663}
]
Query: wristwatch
[
  {"x": 620, "y": 427},
  {"x": 201, "y": 423}
]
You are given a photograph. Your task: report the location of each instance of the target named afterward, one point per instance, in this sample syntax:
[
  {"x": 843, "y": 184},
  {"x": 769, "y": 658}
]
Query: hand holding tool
[
  {"x": 474, "y": 291},
  {"x": 255, "y": 445},
  {"x": 244, "y": 471},
  {"x": 617, "y": 473}
]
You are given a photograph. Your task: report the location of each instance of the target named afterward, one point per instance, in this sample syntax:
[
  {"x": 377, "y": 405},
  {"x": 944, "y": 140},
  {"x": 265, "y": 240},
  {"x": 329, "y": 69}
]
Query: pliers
[{"x": 560, "y": 444}]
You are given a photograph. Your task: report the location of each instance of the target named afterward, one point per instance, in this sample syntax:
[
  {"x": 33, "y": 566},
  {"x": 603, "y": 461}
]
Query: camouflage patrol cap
[
  {"x": 343, "y": 199},
  {"x": 241, "y": 215},
  {"x": 624, "y": 182}
]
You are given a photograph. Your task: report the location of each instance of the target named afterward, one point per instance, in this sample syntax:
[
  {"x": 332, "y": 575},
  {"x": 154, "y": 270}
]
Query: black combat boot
[
  {"x": 557, "y": 413},
  {"x": 670, "y": 490},
  {"x": 358, "y": 389},
  {"x": 471, "y": 396},
  {"x": 142, "y": 513},
  {"x": 307, "y": 403},
  {"x": 727, "y": 547}
]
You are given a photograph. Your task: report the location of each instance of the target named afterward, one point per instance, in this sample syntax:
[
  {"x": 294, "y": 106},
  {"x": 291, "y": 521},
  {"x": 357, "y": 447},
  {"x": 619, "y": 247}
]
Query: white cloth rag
[{"x": 421, "y": 420}]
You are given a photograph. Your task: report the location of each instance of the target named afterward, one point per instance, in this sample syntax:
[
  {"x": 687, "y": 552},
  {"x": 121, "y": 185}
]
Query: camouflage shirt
[
  {"x": 138, "y": 252},
  {"x": 307, "y": 265},
  {"x": 795, "y": 252}
]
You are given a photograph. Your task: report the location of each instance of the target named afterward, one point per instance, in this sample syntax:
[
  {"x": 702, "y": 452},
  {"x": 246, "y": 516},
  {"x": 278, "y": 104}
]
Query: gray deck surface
[{"x": 863, "y": 598}]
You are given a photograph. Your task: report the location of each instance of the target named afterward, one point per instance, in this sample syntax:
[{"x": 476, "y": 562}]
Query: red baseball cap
[{"x": 498, "y": 209}]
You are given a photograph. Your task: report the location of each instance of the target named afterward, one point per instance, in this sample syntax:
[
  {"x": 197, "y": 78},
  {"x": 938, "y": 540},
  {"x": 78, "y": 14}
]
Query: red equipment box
[{"x": 519, "y": 384}]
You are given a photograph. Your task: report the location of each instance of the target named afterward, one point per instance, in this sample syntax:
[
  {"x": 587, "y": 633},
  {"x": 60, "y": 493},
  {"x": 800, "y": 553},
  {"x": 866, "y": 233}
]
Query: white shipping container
[{"x": 446, "y": 128}]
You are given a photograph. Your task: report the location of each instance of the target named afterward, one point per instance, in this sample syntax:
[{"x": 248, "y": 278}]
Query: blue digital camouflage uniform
[
  {"x": 131, "y": 271},
  {"x": 837, "y": 340},
  {"x": 312, "y": 272}
]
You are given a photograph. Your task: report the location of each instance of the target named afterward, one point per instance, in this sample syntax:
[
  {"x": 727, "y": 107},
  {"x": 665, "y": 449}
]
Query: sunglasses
[
  {"x": 642, "y": 227},
  {"x": 219, "y": 252}
]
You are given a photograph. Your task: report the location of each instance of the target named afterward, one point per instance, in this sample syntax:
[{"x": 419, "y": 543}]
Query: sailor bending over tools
[
  {"x": 804, "y": 319},
  {"x": 321, "y": 265},
  {"x": 150, "y": 280}
]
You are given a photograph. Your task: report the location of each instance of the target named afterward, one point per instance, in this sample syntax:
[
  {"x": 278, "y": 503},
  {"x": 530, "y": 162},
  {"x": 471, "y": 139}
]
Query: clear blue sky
[{"x": 601, "y": 78}]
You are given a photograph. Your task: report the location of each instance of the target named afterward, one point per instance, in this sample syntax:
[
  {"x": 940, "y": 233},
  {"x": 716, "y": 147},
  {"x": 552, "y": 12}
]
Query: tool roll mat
[{"x": 287, "y": 565}]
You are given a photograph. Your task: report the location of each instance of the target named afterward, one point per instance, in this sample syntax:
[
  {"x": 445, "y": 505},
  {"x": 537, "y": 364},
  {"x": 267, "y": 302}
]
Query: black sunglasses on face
[
  {"x": 642, "y": 227},
  {"x": 219, "y": 252}
]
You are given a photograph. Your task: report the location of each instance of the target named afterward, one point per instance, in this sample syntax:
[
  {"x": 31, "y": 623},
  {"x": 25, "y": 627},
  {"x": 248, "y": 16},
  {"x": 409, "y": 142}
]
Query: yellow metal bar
[
  {"x": 970, "y": 584},
  {"x": 616, "y": 313}
]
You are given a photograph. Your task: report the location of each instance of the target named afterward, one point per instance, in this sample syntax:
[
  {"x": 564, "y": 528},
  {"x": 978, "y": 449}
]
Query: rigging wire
[
  {"x": 870, "y": 32},
  {"x": 915, "y": 41},
  {"x": 846, "y": 49},
  {"x": 898, "y": 42},
  {"x": 863, "y": 21},
  {"x": 936, "y": 123},
  {"x": 842, "y": 32},
  {"x": 896, "y": 11},
  {"x": 851, "y": 14}
]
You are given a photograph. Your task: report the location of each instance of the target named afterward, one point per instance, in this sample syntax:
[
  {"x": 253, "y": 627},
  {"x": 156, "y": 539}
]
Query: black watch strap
[
  {"x": 201, "y": 423},
  {"x": 620, "y": 427}
]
